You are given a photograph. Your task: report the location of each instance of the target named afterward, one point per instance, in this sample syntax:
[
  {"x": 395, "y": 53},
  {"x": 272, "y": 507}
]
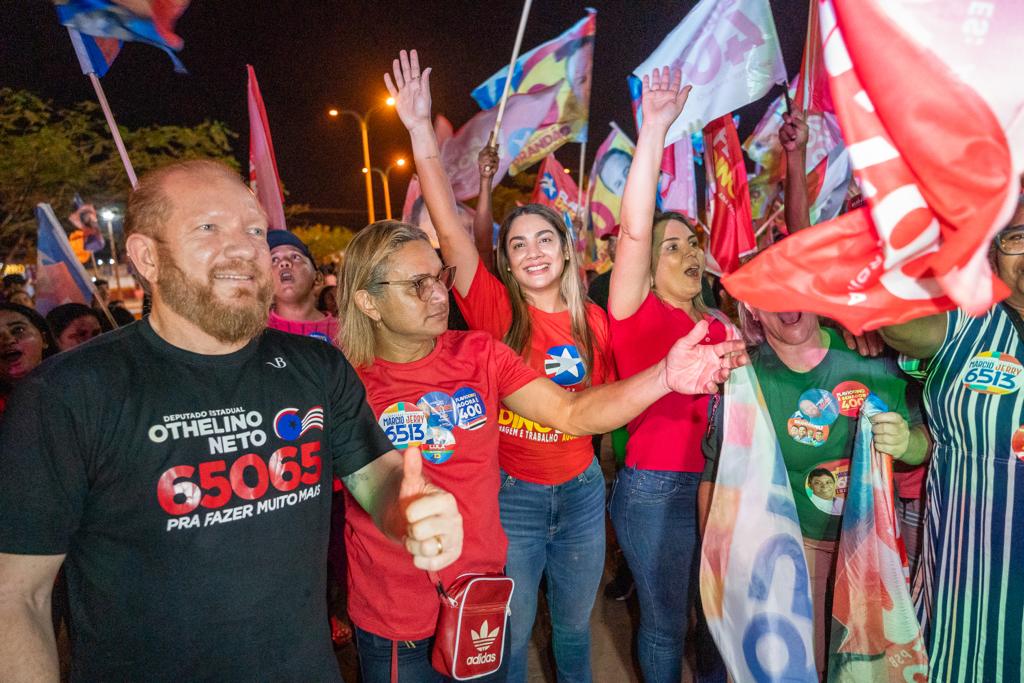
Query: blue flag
[
  {"x": 110, "y": 19},
  {"x": 60, "y": 278}
]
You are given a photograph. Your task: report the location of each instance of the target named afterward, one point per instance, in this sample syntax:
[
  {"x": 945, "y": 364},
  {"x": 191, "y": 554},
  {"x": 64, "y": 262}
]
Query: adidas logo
[{"x": 484, "y": 639}]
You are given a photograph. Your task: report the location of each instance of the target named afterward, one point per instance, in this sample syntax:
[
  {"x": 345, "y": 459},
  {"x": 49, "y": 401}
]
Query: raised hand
[
  {"x": 411, "y": 89},
  {"x": 434, "y": 526},
  {"x": 488, "y": 161},
  {"x": 695, "y": 368},
  {"x": 662, "y": 98},
  {"x": 794, "y": 134}
]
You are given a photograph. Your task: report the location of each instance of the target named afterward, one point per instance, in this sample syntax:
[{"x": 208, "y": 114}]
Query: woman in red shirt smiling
[{"x": 552, "y": 488}]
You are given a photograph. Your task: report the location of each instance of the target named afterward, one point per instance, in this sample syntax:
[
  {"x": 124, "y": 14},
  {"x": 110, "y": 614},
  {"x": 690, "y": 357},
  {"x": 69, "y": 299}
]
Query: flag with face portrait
[
  {"x": 60, "y": 277},
  {"x": 523, "y": 115},
  {"x": 875, "y": 632},
  {"x": 936, "y": 141},
  {"x": 608, "y": 180},
  {"x": 566, "y": 62}
]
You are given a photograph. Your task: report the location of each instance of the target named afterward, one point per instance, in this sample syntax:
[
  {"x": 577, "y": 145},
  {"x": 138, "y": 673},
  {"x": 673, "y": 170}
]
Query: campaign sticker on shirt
[
  {"x": 439, "y": 445},
  {"x": 993, "y": 372},
  {"x": 850, "y": 396},
  {"x": 819, "y": 407},
  {"x": 826, "y": 485},
  {"x": 470, "y": 409},
  {"x": 440, "y": 407},
  {"x": 803, "y": 431},
  {"x": 319, "y": 335},
  {"x": 404, "y": 424},
  {"x": 564, "y": 365},
  {"x": 1017, "y": 443}
]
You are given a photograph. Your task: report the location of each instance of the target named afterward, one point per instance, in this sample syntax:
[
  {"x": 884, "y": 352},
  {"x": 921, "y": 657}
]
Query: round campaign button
[
  {"x": 441, "y": 405},
  {"x": 819, "y": 407},
  {"x": 993, "y": 372},
  {"x": 404, "y": 424},
  {"x": 850, "y": 395},
  {"x": 470, "y": 409},
  {"x": 826, "y": 485},
  {"x": 439, "y": 445},
  {"x": 803, "y": 431}
]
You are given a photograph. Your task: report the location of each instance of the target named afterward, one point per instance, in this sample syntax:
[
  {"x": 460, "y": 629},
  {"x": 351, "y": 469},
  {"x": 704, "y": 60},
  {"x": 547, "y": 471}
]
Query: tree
[
  {"x": 325, "y": 242},
  {"x": 50, "y": 154}
]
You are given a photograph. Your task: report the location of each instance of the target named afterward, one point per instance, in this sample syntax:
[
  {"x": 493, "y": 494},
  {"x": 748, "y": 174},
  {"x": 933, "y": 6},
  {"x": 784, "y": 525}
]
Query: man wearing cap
[{"x": 296, "y": 281}]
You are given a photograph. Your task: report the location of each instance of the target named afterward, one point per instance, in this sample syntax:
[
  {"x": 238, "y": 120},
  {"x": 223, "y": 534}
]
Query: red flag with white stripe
[{"x": 937, "y": 143}]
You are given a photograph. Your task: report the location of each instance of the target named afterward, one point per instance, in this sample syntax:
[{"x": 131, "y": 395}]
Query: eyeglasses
[
  {"x": 424, "y": 284},
  {"x": 1011, "y": 240}
]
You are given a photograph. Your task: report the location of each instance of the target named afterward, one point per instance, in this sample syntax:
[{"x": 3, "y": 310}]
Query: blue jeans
[
  {"x": 557, "y": 531},
  {"x": 655, "y": 518},
  {"x": 413, "y": 660}
]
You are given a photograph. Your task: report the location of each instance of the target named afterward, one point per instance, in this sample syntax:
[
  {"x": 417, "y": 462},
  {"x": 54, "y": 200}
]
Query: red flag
[
  {"x": 930, "y": 151},
  {"x": 732, "y": 233},
  {"x": 555, "y": 188},
  {"x": 812, "y": 93},
  {"x": 263, "y": 177}
]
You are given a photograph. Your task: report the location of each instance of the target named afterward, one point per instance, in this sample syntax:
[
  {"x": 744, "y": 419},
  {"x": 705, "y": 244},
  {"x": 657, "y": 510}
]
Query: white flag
[{"x": 728, "y": 51}]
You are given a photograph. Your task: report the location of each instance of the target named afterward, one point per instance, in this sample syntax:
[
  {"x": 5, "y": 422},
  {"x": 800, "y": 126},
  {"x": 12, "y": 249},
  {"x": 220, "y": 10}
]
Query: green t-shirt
[{"x": 815, "y": 418}]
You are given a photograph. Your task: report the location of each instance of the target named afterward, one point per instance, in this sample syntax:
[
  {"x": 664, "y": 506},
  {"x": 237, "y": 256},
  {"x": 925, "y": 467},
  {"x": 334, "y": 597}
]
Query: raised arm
[
  {"x": 411, "y": 90},
  {"x": 793, "y": 136},
  {"x": 663, "y": 100},
  {"x": 483, "y": 222},
  {"x": 689, "y": 368},
  {"x": 28, "y": 648}
]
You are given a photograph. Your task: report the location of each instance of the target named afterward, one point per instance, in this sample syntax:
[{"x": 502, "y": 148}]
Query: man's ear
[
  {"x": 142, "y": 250},
  {"x": 367, "y": 305}
]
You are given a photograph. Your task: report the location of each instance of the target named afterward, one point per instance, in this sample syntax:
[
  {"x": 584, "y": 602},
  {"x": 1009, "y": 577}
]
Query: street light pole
[
  {"x": 384, "y": 177},
  {"x": 364, "y": 131}
]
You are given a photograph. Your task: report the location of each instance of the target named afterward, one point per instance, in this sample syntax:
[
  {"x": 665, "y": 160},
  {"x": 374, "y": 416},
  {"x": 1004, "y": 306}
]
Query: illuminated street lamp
[
  {"x": 364, "y": 120},
  {"x": 108, "y": 216},
  {"x": 399, "y": 163}
]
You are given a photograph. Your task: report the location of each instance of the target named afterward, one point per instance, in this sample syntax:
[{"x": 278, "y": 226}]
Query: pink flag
[
  {"x": 678, "y": 184},
  {"x": 523, "y": 115},
  {"x": 263, "y": 175}
]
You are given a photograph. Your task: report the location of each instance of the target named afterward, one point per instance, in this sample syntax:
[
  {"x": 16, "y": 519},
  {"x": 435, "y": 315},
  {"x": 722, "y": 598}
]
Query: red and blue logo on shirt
[
  {"x": 288, "y": 425},
  {"x": 564, "y": 365}
]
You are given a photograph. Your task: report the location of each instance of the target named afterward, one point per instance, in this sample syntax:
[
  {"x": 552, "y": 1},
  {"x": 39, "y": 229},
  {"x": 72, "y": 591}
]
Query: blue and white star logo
[{"x": 564, "y": 365}]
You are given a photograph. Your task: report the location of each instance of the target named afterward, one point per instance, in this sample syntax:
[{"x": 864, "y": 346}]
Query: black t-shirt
[{"x": 192, "y": 496}]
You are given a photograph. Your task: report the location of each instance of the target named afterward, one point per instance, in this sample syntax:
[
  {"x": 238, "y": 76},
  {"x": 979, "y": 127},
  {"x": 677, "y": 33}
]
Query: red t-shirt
[
  {"x": 527, "y": 449},
  {"x": 447, "y": 403},
  {"x": 325, "y": 329},
  {"x": 667, "y": 435}
]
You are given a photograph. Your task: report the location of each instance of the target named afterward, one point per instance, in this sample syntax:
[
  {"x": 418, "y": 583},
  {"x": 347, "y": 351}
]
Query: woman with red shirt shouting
[{"x": 655, "y": 298}]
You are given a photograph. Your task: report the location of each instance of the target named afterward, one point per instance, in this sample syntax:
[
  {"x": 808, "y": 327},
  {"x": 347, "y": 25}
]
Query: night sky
[{"x": 310, "y": 55}]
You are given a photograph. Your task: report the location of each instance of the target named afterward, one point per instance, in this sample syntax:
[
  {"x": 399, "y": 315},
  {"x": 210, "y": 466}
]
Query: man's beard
[{"x": 196, "y": 301}]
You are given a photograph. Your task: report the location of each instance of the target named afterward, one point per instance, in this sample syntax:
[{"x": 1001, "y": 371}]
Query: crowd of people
[{"x": 199, "y": 476}]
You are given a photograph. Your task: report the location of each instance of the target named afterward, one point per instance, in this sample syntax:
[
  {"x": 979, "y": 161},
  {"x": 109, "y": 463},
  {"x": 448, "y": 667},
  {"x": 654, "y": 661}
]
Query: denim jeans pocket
[
  {"x": 507, "y": 481},
  {"x": 592, "y": 472},
  {"x": 652, "y": 486}
]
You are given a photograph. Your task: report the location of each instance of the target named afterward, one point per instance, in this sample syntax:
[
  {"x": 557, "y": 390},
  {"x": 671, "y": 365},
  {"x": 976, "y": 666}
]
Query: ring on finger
[{"x": 440, "y": 545}]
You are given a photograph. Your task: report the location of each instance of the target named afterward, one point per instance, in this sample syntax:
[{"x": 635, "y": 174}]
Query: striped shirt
[{"x": 970, "y": 587}]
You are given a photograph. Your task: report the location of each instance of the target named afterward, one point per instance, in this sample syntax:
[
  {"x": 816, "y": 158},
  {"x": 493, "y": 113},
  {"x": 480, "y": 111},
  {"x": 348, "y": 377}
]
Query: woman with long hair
[
  {"x": 440, "y": 390},
  {"x": 655, "y": 298},
  {"x": 552, "y": 488},
  {"x": 25, "y": 340}
]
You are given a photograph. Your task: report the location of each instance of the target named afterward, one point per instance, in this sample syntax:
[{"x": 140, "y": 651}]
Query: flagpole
[
  {"x": 112, "y": 124},
  {"x": 582, "y": 177},
  {"x": 512, "y": 65}
]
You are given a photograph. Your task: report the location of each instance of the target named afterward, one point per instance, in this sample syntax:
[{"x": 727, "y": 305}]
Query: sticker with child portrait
[{"x": 826, "y": 485}]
